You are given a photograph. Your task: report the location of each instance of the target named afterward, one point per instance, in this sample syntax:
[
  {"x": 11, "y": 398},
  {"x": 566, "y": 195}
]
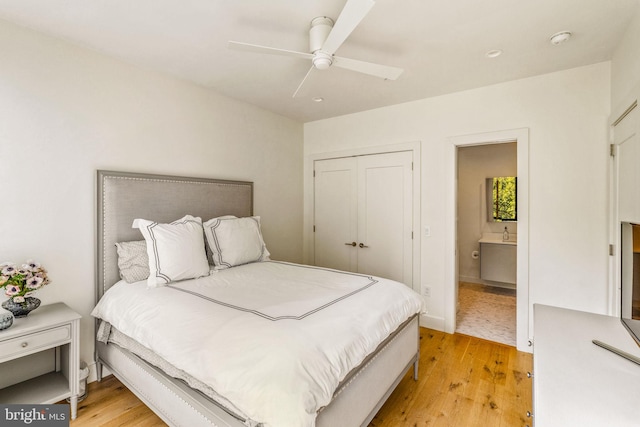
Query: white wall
[
  {"x": 625, "y": 66},
  {"x": 476, "y": 164},
  {"x": 566, "y": 113},
  {"x": 66, "y": 111}
]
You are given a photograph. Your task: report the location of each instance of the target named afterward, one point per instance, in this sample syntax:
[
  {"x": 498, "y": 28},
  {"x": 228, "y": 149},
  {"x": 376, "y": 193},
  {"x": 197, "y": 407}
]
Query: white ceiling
[{"x": 441, "y": 44}]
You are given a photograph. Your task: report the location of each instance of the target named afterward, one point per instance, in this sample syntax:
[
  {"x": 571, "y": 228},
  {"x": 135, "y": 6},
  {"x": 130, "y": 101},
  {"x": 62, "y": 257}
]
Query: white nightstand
[{"x": 40, "y": 357}]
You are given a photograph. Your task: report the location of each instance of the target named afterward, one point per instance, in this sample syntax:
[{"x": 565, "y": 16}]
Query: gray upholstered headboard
[{"x": 122, "y": 197}]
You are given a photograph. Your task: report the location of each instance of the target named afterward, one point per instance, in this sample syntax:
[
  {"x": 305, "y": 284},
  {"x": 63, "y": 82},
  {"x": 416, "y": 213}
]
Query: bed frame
[{"x": 122, "y": 197}]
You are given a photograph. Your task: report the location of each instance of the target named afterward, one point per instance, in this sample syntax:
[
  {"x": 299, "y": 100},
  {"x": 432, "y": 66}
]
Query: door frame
[
  {"x": 308, "y": 236},
  {"x": 524, "y": 321},
  {"x": 628, "y": 104}
]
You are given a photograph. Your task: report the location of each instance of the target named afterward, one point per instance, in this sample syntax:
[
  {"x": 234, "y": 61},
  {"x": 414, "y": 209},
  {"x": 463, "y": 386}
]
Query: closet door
[
  {"x": 628, "y": 174},
  {"x": 626, "y": 186},
  {"x": 335, "y": 216},
  {"x": 385, "y": 216},
  {"x": 364, "y": 215}
]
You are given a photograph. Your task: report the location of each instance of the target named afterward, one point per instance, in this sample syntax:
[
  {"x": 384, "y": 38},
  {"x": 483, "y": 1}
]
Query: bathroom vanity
[{"x": 498, "y": 260}]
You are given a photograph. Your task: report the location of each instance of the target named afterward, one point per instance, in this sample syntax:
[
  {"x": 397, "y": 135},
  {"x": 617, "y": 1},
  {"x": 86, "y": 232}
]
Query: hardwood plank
[
  {"x": 109, "y": 403},
  {"x": 463, "y": 381}
]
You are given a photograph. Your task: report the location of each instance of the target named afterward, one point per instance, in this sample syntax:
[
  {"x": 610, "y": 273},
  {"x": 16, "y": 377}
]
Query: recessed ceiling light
[
  {"x": 318, "y": 99},
  {"x": 493, "y": 53},
  {"x": 560, "y": 37}
]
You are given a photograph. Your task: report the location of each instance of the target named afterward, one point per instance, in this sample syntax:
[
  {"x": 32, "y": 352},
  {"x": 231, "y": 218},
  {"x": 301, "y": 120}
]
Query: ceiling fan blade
[
  {"x": 354, "y": 12},
  {"x": 382, "y": 71},
  {"x": 302, "y": 82},
  {"x": 248, "y": 47}
]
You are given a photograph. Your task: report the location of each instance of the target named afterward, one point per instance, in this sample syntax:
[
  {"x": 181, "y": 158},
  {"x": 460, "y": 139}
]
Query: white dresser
[{"x": 575, "y": 382}]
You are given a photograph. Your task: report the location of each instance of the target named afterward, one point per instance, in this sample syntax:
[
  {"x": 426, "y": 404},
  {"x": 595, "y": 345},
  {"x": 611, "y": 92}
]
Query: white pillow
[
  {"x": 235, "y": 241},
  {"x": 208, "y": 248},
  {"x": 176, "y": 251}
]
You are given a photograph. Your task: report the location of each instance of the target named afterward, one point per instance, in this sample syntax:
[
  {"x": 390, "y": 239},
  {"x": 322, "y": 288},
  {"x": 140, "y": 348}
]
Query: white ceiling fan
[{"x": 325, "y": 38}]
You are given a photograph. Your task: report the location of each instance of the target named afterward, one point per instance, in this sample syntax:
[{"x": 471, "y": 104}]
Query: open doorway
[
  {"x": 487, "y": 241},
  {"x": 524, "y": 321}
]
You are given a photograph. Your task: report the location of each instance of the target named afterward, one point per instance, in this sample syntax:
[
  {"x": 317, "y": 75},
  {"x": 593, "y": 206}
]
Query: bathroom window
[{"x": 501, "y": 198}]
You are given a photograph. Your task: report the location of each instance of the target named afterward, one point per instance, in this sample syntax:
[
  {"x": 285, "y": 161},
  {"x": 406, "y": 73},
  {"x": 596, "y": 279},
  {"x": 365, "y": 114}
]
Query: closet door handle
[
  {"x": 362, "y": 245},
  {"x": 351, "y": 244}
]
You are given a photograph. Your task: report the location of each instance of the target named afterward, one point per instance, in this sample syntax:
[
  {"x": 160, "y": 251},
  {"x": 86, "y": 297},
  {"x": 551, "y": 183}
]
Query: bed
[{"x": 176, "y": 392}]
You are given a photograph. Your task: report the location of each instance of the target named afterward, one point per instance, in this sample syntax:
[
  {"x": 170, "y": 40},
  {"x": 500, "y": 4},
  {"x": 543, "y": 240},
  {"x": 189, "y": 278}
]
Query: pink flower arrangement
[{"x": 20, "y": 283}]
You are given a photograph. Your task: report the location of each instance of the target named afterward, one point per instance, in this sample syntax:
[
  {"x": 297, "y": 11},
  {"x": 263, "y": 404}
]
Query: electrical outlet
[
  {"x": 426, "y": 291},
  {"x": 427, "y": 231}
]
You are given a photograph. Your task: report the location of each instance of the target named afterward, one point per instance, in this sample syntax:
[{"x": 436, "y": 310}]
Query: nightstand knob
[
  {"x": 529, "y": 375},
  {"x": 24, "y": 344},
  {"x": 529, "y": 414}
]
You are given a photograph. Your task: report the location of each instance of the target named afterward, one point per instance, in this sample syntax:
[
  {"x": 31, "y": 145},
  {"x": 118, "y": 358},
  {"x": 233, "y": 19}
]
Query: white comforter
[{"x": 273, "y": 338}]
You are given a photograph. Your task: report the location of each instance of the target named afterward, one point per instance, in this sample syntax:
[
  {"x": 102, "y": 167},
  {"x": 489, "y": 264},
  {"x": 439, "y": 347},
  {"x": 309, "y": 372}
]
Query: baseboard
[
  {"x": 475, "y": 280},
  {"x": 432, "y": 322},
  {"x": 469, "y": 279}
]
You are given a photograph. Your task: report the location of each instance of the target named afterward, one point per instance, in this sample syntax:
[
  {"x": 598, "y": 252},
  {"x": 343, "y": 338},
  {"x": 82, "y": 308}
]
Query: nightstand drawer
[{"x": 33, "y": 342}]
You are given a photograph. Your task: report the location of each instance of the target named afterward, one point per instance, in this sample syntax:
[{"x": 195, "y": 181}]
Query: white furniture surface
[
  {"x": 577, "y": 383},
  {"x": 47, "y": 339},
  {"x": 498, "y": 260}
]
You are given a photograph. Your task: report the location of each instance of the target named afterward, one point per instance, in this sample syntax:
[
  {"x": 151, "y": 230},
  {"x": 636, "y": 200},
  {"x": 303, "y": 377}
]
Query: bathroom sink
[{"x": 498, "y": 241}]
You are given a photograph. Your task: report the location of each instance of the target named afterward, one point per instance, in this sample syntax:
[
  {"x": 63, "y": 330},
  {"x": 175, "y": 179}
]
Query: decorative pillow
[
  {"x": 235, "y": 241},
  {"x": 206, "y": 246},
  {"x": 175, "y": 251},
  {"x": 133, "y": 261}
]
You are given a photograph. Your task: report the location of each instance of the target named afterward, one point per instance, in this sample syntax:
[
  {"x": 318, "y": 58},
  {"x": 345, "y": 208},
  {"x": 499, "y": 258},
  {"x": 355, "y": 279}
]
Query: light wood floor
[{"x": 463, "y": 381}]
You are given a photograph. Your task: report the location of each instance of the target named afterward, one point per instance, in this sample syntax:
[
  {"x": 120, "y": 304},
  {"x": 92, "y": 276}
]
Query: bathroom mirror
[{"x": 502, "y": 198}]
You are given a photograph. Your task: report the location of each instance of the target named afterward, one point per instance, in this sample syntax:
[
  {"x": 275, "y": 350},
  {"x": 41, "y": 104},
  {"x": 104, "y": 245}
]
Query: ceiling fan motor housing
[{"x": 320, "y": 29}]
